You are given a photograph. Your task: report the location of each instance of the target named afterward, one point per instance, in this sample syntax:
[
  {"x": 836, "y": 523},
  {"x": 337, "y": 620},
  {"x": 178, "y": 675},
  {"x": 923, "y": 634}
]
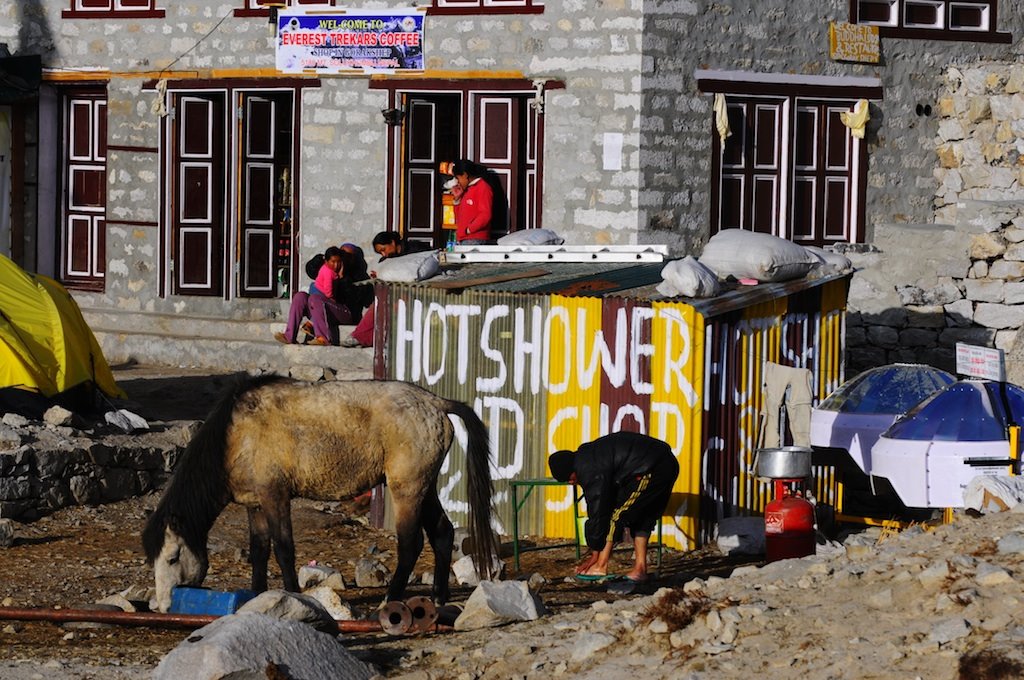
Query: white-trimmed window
[
  {"x": 84, "y": 188},
  {"x": 126, "y": 9},
  {"x": 486, "y": 7},
  {"x": 789, "y": 167},
  {"x": 931, "y": 19}
]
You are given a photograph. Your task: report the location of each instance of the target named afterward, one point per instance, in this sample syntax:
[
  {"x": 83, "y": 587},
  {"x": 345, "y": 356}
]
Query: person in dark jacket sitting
[{"x": 627, "y": 479}]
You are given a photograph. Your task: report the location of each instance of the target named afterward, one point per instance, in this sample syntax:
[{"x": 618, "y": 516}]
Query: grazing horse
[{"x": 271, "y": 439}]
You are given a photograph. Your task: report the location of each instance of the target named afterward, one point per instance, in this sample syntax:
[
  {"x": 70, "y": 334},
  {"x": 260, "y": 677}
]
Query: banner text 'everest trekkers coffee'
[{"x": 350, "y": 41}]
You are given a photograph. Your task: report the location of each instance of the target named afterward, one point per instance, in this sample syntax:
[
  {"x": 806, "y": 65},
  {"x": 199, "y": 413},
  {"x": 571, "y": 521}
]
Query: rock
[
  {"x": 58, "y": 416},
  {"x": 311, "y": 576},
  {"x": 328, "y": 597},
  {"x": 119, "y": 601},
  {"x": 125, "y": 420},
  {"x": 465, "y": 571},
  {"x": 1011, "y": 544},
  {"x": 498, "y": 603},
  {"x": 588, "y": 644},
  {"x": 7, "y": 533},
  {"x": 934, "y": 576},
  {"x": 371, "y": 573},
  {"x": 949, "y": 630},
  {"x": 291, "y": 607},
  {"x": 250, "y": 642},
  {"x": 741, "y": 535},
  {"x": 991, "y": 575},
  {"x": 15, "y": 420}
]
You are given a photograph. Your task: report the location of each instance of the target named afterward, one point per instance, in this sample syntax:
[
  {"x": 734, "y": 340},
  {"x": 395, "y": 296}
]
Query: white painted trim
[
  {"x": 248, "y": 192},
  {"x": 180, "y": 268},
  {"x": 786, "y": 78},
  {"x": 271, "y": 242},
  {"x": 72, "y": 167},
  {"x": 72, "y": 227},
  {"x": 209, "y": 193}
]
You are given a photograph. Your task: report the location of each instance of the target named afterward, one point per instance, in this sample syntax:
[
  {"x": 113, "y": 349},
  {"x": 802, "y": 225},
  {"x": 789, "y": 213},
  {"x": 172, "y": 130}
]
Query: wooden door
[
  {"x": 265, "y": 221},
  {"x": 823, "y": 191},
  {"x": 748, "y": 169},
  {"x": 500, "y": 143},
  {"x": 433, "y": 130},
  {"x": 83, "y": 214},
  {"x": 197, "y": 200}
]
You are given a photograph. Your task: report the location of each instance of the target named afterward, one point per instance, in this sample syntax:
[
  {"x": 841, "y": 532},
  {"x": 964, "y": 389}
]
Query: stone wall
[
  {"x": 44, "y": 468},
  {"x": 959, "y": 278}
]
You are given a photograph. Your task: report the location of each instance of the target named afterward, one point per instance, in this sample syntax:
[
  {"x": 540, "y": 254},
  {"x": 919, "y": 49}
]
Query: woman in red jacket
[{"x": 474, "y": 203}]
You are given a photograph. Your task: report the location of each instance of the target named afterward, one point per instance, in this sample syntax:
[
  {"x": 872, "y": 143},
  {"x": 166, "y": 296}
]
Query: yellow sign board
[{"x": 853, "y": 42}]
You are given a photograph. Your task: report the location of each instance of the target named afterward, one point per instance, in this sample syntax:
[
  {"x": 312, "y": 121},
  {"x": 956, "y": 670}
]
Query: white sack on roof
[
  {"x": 746, "y": 254},
  {"x": 409, "y": 268},
  {"x": 531, "y": 237},
  {"x": 829, "y": 263},
  {"x": 689, "y": 278}
]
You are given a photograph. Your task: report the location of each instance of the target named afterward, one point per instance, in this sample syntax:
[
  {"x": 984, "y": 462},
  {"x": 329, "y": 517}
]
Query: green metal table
[{"x": 517, "y": 504}]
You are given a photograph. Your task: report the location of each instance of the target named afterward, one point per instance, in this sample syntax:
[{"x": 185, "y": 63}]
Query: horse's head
[{"x": 174, "y": 562}]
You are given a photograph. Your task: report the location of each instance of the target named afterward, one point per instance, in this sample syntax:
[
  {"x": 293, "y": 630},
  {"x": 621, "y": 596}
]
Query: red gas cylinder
[{"x": 788, "y": 525}]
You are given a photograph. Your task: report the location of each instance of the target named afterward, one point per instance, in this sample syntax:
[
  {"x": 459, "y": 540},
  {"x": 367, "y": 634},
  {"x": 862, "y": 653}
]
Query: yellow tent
[{"x": 45, "y": 345}]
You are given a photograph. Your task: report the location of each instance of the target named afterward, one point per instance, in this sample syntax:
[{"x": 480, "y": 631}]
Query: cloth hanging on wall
[
  {"x": 858, "y": 119},
  {"x": 789, "y": 387},
  {"x": 721, "y": 117}
]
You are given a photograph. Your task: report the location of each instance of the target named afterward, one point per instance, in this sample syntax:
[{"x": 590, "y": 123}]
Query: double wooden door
[
  {"x": 231, "y": 226},
  {"x": 500, "y": 132}
]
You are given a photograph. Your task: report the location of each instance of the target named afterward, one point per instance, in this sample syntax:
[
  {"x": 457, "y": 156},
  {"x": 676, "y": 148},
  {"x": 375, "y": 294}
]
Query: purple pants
[{"x": 325, "y": 314}]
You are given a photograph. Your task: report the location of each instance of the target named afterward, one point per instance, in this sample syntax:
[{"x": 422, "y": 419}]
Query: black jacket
[{"x": 604, "y": 466}]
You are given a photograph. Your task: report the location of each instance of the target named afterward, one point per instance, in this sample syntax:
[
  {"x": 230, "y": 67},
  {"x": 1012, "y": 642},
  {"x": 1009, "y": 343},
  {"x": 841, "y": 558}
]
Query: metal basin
[{"x": 788, "y": 462}]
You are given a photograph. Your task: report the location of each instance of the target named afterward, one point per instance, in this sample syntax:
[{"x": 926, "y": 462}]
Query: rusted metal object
[
  {"x": 424, "y": 613},
  {"x": 151, "y": 619},
  {"x": 395, "y": 618}
]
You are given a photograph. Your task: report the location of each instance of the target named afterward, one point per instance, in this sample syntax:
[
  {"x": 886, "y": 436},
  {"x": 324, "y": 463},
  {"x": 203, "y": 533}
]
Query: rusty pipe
[{"x": 151, "y": 619}]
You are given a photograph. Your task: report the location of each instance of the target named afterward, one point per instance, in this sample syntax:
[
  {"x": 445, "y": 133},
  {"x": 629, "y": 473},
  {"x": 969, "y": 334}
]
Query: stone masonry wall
[
  {"x": 45, "y": 467},
  {"x": 960, "y": 278}
]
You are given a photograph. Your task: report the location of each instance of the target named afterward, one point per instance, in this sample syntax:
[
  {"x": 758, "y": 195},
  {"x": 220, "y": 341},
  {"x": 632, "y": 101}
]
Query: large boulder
[
  {"x": 249, "y": 643},
  {"x": 292, "y": 607}
]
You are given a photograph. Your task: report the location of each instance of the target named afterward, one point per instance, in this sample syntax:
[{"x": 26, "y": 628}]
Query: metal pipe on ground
[{"x": 150, "y": 619}]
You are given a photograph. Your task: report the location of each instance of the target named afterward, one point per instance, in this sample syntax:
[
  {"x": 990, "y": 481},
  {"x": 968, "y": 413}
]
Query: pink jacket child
[{"x": 318, "y": 304}]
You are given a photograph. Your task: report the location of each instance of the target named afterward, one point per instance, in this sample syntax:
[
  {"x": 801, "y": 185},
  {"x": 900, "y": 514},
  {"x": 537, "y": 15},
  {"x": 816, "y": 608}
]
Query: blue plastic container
[{"x": 206, "y": 601}]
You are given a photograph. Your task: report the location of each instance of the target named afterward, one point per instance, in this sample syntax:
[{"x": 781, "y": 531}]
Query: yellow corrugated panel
[
  {"x": 573, "y": 398},
  {"x": 677, "y": 406}
]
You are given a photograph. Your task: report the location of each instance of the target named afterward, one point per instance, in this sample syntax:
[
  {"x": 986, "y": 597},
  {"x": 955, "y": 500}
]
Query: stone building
[{"x": 175, "y": 179}]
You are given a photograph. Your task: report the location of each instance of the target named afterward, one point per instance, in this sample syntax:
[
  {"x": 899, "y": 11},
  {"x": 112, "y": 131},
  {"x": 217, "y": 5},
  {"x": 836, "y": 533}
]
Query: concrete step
[{"x": 225, "y": 344}]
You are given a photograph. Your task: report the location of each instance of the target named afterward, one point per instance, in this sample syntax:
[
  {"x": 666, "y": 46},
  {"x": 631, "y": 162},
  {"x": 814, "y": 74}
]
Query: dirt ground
[{"x": 82, "y": 554}]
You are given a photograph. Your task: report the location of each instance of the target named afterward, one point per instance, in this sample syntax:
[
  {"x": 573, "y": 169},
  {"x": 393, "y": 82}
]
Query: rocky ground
[{"x": 941, "y": 602}]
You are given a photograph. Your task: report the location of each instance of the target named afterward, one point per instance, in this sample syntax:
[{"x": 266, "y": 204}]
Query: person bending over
[{"x": 627, "y": 479}]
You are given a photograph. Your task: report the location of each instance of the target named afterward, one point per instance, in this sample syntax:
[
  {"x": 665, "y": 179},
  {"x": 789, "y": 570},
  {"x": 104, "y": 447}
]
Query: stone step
[{"x": 221, "y": 344}]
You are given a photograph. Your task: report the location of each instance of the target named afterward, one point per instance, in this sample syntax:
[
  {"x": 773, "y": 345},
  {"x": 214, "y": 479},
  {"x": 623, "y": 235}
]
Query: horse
[{"x": 271, "y": 439}]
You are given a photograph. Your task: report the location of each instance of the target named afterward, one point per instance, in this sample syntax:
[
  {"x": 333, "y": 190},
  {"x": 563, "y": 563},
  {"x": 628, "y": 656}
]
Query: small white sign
[
  {"x": 980, "y": 362},
  {"x": 612, "y": 151}
]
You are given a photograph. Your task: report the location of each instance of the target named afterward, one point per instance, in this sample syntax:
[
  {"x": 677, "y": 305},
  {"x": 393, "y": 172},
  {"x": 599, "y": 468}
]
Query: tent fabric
[
  {"x": 45, "y": 344},
  {"x": 892, "y": 389},
  {"x": 966, "y": 411}
]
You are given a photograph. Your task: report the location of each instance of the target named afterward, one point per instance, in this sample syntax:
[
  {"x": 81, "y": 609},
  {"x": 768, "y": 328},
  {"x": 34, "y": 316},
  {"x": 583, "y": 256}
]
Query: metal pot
[{"x": 788, "y": 462}]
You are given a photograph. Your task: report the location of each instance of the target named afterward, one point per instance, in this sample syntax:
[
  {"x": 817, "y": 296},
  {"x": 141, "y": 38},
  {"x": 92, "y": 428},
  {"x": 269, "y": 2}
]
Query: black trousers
[{"x": 641, "y": 502}]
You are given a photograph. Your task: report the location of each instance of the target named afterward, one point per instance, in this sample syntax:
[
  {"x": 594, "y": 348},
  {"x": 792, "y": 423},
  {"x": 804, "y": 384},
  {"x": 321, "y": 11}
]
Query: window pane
[
  {"x": 134, "y": 4},
  {"x": 964, "y": 16},
  {"x": 806, "y": 138},
  {"x": 803, "y": 207},
  {"x": 731, "y": 213},
  {"x": 923, "y": 14},
  {"x": 733, "y": 154},
  {"x": 876, "y": 12}
]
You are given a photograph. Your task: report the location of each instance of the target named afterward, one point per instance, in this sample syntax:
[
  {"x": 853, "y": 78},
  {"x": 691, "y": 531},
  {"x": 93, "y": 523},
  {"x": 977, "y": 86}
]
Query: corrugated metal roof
[{"x": 628, "y": 280}]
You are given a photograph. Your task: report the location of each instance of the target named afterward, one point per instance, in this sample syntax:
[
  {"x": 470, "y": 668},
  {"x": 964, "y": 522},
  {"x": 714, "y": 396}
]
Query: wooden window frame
[
  {"x": 897, "y": 28},
  {"x": 115, "y": 10},
  {"x": 251, "y": 8}
]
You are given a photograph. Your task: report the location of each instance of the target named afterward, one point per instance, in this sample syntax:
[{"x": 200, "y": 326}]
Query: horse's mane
[{"x": 197, "y": 491}]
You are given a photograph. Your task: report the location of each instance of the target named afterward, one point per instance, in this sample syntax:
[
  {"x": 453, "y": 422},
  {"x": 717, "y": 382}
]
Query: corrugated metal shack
[{"x": 555, "y": 354}]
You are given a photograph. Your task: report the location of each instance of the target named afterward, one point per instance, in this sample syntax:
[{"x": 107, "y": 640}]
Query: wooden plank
[{"x": 467, "y": 283}]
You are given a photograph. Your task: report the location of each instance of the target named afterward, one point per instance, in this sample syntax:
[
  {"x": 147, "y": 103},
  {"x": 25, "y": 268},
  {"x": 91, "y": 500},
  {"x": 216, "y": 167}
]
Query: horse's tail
[
  {"x": 479, "y": 488},
  {"x": 197, "y": 491}
]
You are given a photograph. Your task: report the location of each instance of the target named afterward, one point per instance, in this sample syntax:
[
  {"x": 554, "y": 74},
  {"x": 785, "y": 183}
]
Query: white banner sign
[
  {"x": 980, "y": 362},
  {"x": 350, "y": 41}
]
